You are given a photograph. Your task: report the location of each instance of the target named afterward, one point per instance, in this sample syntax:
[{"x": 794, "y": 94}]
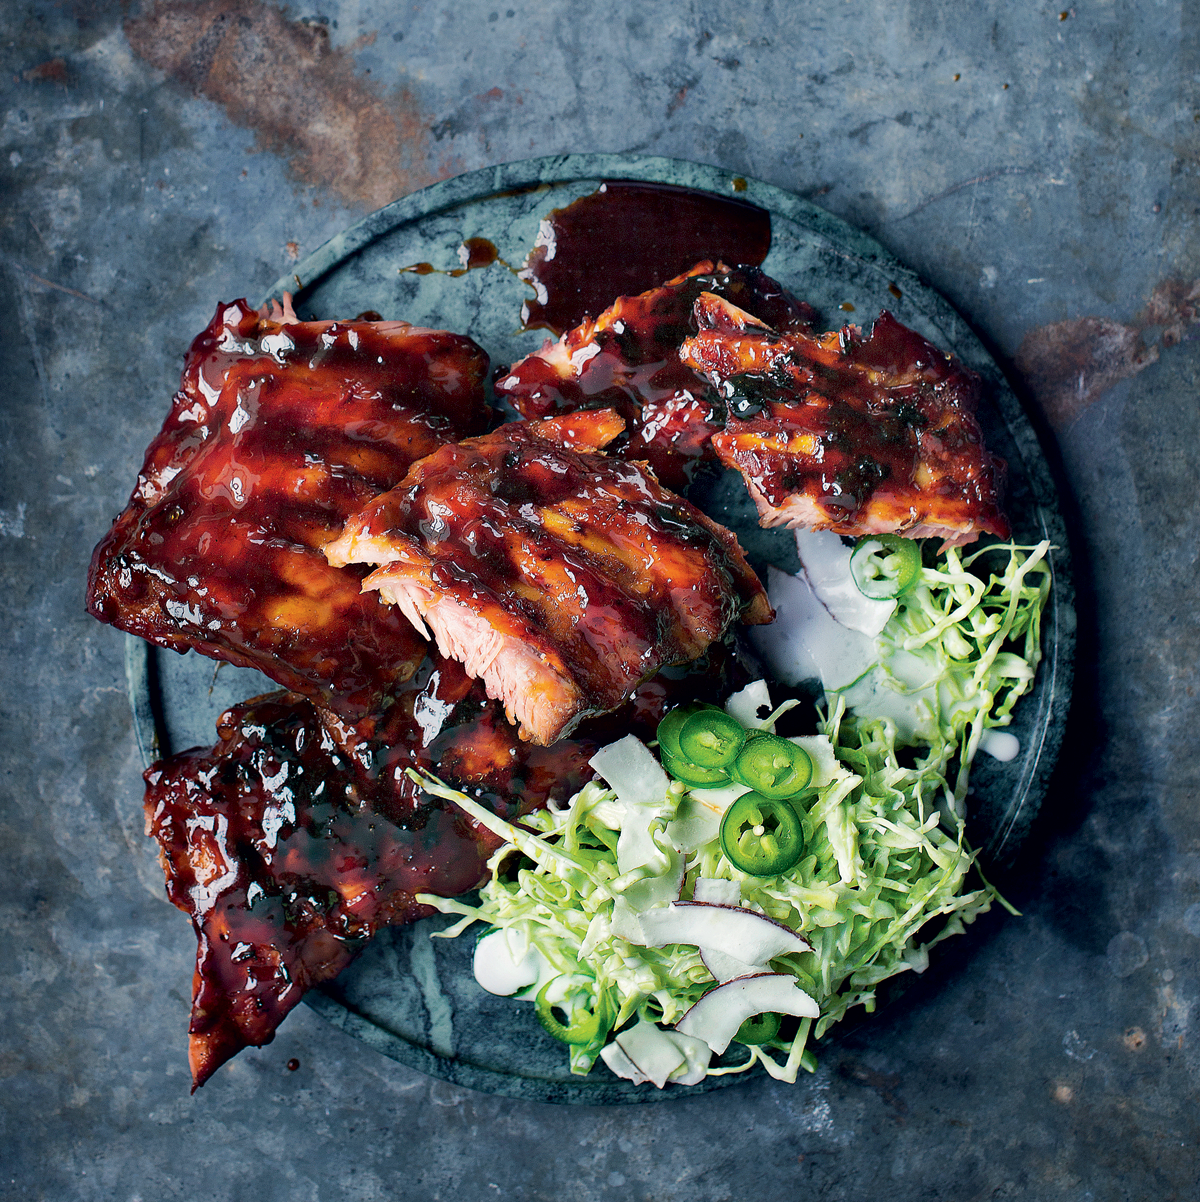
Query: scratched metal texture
[{"x": 1038, "y": 166}]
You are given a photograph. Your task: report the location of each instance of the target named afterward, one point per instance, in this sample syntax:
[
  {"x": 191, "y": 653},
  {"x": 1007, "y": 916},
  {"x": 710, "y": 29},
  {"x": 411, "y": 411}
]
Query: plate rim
[{"x": 529, "y": 175}]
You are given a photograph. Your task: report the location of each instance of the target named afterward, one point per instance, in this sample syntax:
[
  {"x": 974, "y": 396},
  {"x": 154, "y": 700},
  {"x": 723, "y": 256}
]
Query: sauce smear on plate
[{"x": 626, "y": 238}]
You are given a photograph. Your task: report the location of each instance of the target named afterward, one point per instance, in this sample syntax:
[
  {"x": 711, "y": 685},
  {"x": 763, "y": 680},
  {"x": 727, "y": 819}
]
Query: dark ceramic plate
[{"x": 413, "y": 998}]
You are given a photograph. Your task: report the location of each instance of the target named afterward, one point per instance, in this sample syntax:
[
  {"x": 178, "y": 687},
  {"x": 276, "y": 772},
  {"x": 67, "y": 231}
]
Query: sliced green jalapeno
[
  {"x": 885, "y": 565},
  {"x": 711, "y": 738},
  {"x": 761, "y": 835},
  {"x": 692, "y": 774},
  {"x": 582, "y": 1030},
  {"x": 772, "y": 766},
  {"x": 673, "y": 722},
  {"x": 758, "y": 1028}
]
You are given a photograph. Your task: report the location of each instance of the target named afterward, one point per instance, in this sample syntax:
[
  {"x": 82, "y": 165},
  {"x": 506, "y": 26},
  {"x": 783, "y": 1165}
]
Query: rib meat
[
  {"x": 280, "y": 430},
  {"x": 299, "y": 836},
  {"x": 627, "y": 359},
  {"x": 288, "y": 852},
  {"x": 560, "y": 577},
  {"x": 846, "y": 432}
]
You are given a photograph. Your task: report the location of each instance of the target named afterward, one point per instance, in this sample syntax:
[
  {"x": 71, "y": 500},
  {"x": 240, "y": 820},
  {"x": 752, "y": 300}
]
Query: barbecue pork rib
[
  {"x": 280, "y": 430},
  {"x": 627, "y": 359},
  {"x": 559, "y": 576},
  {"x": 298, "y": 836},
  {"x": 288, "y": 852},
  {"x": 852, "y": 433}
]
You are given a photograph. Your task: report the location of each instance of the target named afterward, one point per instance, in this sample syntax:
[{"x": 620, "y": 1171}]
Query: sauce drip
[
  {"x": 626, "y": 238},
  {"x": 477, "y": 252},
  {"x": 472, "y": 254}
]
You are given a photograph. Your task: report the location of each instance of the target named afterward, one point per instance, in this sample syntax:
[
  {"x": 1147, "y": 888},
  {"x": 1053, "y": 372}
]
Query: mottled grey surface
[{"x": 155, "y": 161}]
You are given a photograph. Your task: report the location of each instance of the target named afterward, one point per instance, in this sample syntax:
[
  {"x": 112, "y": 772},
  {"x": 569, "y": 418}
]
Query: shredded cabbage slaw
[{"x": 886, "y": 872}]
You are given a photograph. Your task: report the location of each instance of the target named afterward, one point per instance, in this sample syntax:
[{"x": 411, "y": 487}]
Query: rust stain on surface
[
  {"x": 1134, "y": 1039},
  {"x": 53, "y": 70},
  {"x": 1174, "y": 305},
  {"x": 1070, "y": 364},
  {"x": 301, "y": 96}
]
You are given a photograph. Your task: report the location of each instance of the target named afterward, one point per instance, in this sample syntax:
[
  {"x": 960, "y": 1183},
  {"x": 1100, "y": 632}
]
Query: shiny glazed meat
[
  {"x": 861, "y": 435},
  {"x": 288, "y": 851},
  {"x": 627, "y": 359},
  {"x": 281, "y": 430},
  {"x": 560, "y": 577}
]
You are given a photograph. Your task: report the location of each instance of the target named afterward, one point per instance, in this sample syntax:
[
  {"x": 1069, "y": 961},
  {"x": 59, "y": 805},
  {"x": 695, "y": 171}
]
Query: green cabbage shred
[{"x": 887, "y": 871}]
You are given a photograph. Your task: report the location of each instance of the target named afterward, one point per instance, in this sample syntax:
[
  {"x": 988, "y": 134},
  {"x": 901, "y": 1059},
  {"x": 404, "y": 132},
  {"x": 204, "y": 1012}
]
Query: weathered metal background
[{"x": 1038, "y": 165}]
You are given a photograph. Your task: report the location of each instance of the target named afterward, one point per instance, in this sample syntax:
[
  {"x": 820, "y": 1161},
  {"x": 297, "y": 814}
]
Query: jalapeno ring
[
  {"x": 762, "y": 836},
  {"x": 711, "y": 738},
  {"x": 772, "y": 766},
  {"x": 885, "y": 565},
  {"x": 693, "y": 774},
  {"x": 582, "y": 1031},
  {"x": 672, "y": 723}
]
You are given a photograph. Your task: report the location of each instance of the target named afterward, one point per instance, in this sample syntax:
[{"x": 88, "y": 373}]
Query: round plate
[{"x": 413, "y": 998}]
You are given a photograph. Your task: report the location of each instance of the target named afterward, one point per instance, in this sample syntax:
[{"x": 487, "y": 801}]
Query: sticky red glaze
[
  {"x": 297, "y": 837},
  {"x": 477, "y": 252},
  {"x": 628, "y": 237},
  {"x": 859, "y": 435},
  {"x": 289, "y": 851},
  {"x": 582, "y": 558},
  {"x": 628, "y": 360},
  {"x": 278, "y": 433}
]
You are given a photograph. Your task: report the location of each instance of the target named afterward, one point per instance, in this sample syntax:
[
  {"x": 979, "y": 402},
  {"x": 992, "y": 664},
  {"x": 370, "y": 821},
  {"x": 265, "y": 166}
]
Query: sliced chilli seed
[
  {"x": 885, "y": 565},
  {"x": 772, "y": 766},
  {"x": 761, "y": 835},
  {"x": 711, "y": 739},
  {"x": 758, "y": 1028}
]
